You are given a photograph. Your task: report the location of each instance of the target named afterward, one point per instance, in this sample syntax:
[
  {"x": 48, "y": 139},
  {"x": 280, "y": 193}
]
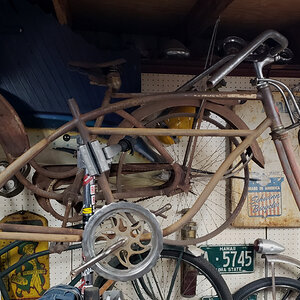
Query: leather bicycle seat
[
  {"x": 100, "y": 73},
  {"x": 92, "y": 67}
]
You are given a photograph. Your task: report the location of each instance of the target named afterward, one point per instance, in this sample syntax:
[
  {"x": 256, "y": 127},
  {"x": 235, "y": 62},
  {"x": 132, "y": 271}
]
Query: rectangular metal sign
[{"x": 233, "y": 259}]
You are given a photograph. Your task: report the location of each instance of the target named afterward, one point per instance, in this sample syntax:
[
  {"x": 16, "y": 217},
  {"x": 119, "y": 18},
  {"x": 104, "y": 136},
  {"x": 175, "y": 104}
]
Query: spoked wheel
[
  {"x": 285, "y": 288},
  {"x": 176, "y": 275},
  {"x": 218, "y": 208}
]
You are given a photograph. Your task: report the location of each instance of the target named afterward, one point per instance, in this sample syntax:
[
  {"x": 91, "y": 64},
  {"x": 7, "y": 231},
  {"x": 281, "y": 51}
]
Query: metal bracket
[{"x": 96, "y": 158}]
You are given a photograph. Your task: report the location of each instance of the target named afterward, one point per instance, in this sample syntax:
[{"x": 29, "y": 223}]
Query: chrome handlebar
[{"x": 244, "y": 53}]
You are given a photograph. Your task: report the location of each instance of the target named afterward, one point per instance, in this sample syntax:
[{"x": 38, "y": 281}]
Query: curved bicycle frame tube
[
  {"x": 126, "y": 128},
  {"x": 16, "y": 165},
  {"x": 279, "y": 258}
]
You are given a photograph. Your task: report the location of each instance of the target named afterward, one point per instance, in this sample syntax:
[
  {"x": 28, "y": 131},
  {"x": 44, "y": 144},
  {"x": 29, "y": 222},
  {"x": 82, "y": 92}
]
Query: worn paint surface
[
  {"x": 270, "y": 202},
  {"x": 13, "y": 137},
  {"x": 32, "y": 279}
]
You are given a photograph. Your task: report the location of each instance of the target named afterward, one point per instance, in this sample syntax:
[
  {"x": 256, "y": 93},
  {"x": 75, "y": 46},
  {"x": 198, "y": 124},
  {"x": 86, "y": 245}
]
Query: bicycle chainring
[{"x": 127, "y": 221}]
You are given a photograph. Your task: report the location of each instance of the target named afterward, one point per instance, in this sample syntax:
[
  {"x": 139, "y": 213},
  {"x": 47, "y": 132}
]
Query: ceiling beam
[
  {"x": 62, "y": 11},
  {"x": 202, "y": 15}
]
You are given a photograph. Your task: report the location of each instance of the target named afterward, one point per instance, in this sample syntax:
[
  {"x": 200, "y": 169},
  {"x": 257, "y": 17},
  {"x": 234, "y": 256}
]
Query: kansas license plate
[{"x": 231, "y": 258}]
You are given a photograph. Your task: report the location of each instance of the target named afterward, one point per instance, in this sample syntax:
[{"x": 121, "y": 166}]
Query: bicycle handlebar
[{"x": 242, "y": 55}]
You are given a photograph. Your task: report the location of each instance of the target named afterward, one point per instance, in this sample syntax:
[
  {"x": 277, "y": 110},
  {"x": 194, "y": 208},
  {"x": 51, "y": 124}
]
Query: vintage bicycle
[{"x": 194, "y": 165}]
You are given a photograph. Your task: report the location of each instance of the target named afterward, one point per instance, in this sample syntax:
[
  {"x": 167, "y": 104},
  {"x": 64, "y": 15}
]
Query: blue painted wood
[{"x": 34, "y": 72}]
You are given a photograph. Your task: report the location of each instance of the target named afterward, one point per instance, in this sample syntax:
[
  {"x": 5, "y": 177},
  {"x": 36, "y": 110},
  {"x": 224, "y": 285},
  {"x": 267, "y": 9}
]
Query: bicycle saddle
[
  {"x": 103, "y": 74},
  {"x": 97, "y": 66}
]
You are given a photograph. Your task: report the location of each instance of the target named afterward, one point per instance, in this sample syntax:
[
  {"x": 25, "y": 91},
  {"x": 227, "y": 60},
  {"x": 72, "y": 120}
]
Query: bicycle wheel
[
  {"x": 286, "y": 288},
  {"x": 176, "y": 275},
  {"x": 223, "y": 204}
]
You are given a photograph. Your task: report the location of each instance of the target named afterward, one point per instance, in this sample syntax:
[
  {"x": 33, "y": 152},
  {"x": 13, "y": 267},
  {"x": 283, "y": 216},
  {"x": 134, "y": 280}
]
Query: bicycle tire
[
  {"x": 220, "y": 214},
  {"x": 287, "y": 285},
  {"x": 210, "y": 282}
]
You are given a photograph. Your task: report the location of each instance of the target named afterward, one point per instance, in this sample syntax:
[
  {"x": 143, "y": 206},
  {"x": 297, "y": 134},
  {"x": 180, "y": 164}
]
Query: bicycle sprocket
[{"x": 127, "y": 221}]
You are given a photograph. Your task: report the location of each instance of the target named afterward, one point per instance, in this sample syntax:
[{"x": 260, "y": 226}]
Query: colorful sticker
[{"x": 87, "y": 210}]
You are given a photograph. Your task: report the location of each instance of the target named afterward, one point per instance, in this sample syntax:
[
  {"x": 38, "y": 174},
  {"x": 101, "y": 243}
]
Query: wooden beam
[
  {"x": 204, "y": 14},
  {"x": 62, "y": 11},
  {"x": 39, "y": 237},
  {"x": 7, "y": 227},
  {"x": 171, "y": 131}
]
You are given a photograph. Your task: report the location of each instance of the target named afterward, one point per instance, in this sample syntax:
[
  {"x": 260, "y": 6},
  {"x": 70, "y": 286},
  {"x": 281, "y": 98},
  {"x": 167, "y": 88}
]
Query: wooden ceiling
[
  {"x": 165, "y": 16},
  {"x": 258, "y": 15},
  {"x": 186, "y": 20}
]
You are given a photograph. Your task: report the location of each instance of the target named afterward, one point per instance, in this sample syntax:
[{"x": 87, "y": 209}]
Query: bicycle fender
[
  {"x": 13, "y": 137},
  {"x": 236, "y": 122},
  {"x": 219, "y": 109}
]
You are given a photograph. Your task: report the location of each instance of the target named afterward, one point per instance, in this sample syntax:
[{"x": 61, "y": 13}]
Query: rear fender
[
  {"x": 13, "y": 137},
  {"x": 221, "y": 110}
]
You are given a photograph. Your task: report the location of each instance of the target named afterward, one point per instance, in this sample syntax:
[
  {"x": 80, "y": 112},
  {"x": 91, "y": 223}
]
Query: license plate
[{"x": 233, "y": 259}]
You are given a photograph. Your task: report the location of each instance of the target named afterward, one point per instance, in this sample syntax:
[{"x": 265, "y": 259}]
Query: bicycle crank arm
[{"x": 100, "y": 256}]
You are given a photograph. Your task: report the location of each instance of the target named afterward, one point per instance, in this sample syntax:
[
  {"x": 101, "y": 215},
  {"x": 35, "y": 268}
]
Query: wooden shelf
[{"x": 193, "y": 67}]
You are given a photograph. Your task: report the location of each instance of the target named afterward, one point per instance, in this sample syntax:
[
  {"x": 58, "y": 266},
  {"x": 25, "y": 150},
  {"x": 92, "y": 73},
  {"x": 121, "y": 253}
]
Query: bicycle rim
[
  {"x": 176, "y": 275},
  {"x": 286, "y": 288}
]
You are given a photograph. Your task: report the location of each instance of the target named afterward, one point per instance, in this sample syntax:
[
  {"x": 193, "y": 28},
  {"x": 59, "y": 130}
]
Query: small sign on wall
[{"x": 265, "y": 200}]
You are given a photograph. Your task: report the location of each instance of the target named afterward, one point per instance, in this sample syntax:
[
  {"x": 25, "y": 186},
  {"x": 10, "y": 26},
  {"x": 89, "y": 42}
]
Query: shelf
[{"x": 193, "y": 67}]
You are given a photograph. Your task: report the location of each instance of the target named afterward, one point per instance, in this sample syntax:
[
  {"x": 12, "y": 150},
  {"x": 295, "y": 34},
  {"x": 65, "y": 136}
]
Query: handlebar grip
[{"x": 242, "y": 55}]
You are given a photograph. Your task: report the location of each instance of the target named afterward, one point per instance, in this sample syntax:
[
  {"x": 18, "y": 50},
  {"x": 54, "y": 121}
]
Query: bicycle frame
[
  {"x": 282, "y": 143},
  {"x": 280, "y": 258},
  {"x": 137, "y": 101}
]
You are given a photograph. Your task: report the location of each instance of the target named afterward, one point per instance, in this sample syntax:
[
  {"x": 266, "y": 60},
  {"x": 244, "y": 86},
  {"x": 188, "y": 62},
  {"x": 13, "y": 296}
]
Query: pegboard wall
[{"x": 61, "y": 264}]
